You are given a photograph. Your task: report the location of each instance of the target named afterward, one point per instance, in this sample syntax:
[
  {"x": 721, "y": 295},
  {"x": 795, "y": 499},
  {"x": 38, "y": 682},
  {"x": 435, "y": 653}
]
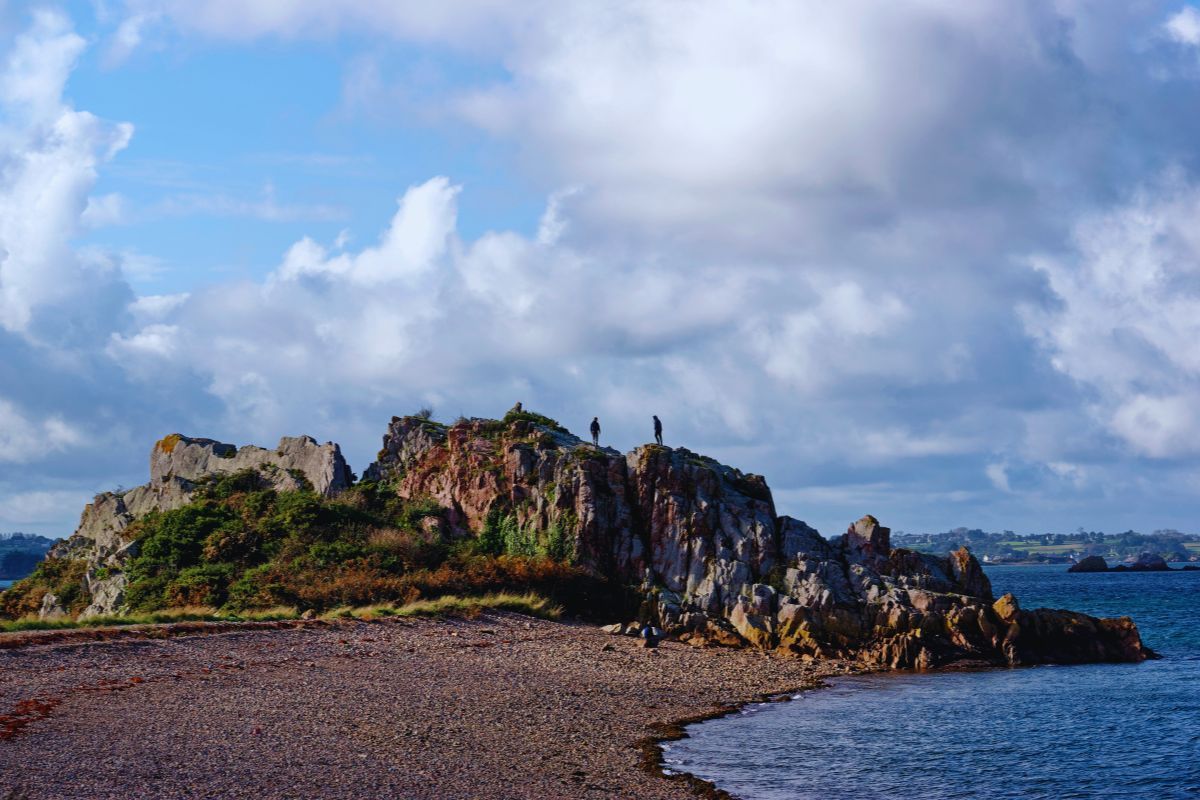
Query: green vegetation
[
  {"x": 193, "y": 614},
  {"x": 504, "y": 535},
  {"x": 535, "y": 418},
  {"x": 240, "y": 545},
  {"x": 529, "y": 603}
]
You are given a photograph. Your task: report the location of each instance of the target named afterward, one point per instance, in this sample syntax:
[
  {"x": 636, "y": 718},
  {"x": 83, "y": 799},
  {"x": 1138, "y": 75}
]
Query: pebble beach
[{"x": 501, "y": 705}]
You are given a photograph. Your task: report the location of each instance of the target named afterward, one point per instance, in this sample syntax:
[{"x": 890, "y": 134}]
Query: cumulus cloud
[
  {"x": 49, "y": 154},
  {"x": 1127, "y": 317},
  {"x": 1184, "y": 27},
  {"x": 798, "y": 232},
  {"x": 23, "y": 439}
]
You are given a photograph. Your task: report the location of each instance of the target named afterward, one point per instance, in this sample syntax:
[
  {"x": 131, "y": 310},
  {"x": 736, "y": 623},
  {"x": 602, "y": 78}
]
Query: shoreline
[{"x": 387, "y": 708}]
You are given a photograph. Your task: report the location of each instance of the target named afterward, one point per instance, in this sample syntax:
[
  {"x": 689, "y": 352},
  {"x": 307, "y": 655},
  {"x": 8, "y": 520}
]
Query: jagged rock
[
  {"x": 1007, "y": 608},
  {"x": 1090, "y": 564},
  {"x": 108, "y": 593},
  {"x": 716, "y": 565},
  {"x": 710, "y": 530},
  {"x": 698, "y": 540},
  {"x": 177, "y": 464},
  {"x": 296, "y": 460},
  {"x": 51, "y": 607},
  {"x": 968, "y": 574},
  {"x": 544, "y": 478}
]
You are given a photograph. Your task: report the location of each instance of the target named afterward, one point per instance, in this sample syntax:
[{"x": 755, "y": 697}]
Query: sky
[{"x": 934, "y": 261}]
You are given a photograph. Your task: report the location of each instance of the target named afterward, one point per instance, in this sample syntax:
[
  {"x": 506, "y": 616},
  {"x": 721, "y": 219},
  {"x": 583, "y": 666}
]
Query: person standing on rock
[
  {"x": 596, "y": 431},
  {"x": 657, "y": 430}
]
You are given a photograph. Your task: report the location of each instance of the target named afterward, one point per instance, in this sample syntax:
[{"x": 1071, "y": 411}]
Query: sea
[
  {"x": 1093, "y": 731},
  {"x": 5, "y": 584}
]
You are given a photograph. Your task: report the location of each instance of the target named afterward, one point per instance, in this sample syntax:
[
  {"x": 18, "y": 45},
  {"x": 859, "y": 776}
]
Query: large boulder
[{"x": 1089, "y": 564}]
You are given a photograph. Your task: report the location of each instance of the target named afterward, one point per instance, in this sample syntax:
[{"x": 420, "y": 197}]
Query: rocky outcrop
[
  {"x": 716, "y": 565},
  {"x": 298, "y": 462},
  {"x": 177, "y": 464},
  {"x": 1146, "y": 562},
  {"x": 698, "y": 543},
  {"x": 542, "y": 479},
  {"x": 1089, "y": 564}
]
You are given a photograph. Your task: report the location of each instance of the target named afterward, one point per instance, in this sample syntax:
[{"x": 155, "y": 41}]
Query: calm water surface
[{"x": 1121, "y": 730}]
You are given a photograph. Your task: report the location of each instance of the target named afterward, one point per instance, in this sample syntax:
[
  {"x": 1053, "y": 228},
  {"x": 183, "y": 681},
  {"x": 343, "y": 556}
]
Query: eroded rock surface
[
  {"x": 716, "y": 565},
  {"x": 177, "y": 463}
]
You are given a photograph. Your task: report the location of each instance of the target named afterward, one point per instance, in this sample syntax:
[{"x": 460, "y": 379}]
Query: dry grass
[
  {"x": 532, "y": 604},
  {"x": 186, "y": 614}
]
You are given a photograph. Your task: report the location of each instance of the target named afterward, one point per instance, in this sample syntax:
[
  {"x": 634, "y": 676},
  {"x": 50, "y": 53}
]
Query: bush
[
  {"x": 535, "y": 418},
  {"x": 61, "y": 577},
  {"x": 242, "y": 545}
]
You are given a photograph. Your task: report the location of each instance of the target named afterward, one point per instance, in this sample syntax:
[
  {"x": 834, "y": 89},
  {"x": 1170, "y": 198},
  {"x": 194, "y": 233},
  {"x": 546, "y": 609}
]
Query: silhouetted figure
[
  {"x": 657, "y": 429},
  {"x": 596, "y": 431},
  {"x": 517, "y": 407}
]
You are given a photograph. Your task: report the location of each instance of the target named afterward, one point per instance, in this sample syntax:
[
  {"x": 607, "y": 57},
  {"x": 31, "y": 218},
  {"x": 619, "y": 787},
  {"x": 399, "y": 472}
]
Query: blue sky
[{"x": 935, "y": 262}]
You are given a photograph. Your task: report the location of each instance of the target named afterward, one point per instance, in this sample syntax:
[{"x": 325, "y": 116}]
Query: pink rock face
[
  {"x": 543, "y": 478},
  {"x": 702, "y": 541},
  {"x": 867, "y": 540},
  {"x": 711, "y": 531}
]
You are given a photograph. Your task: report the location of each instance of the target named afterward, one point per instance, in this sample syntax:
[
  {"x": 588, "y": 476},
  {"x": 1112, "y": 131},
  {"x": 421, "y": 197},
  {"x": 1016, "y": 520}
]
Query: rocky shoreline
[{"x": 498, "y": 706}]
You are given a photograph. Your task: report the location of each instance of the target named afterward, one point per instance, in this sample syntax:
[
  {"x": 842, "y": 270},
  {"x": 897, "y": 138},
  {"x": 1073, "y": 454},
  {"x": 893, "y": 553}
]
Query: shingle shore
[{"x": 498, "y": 706}]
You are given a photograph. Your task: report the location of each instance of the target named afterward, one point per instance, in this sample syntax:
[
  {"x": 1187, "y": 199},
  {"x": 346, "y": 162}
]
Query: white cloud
[
  {"x": 24, "y": 440},
  {"x": 1127, "y": 317},
  {"x": 998, "y": 474},
  {"x": 42, "y": 507},
  {"x": 1184, "y": 27},
  {"x": 795, "y": 231},
  {"x": 48, "y": 159},
  {"x": 104, "y": 210}
]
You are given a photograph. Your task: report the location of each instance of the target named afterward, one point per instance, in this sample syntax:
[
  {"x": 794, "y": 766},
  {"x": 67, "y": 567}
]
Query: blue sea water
[
  {"x": 5, "y": 584},
  {"x": 1105, "y": 730}
]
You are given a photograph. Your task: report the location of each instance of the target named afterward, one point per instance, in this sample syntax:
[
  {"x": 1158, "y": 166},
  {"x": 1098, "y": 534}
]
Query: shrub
[{"x": 535, "y": 418}]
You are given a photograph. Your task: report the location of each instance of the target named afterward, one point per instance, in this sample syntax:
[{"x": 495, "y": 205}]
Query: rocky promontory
[
  {"x": 715, "y": 564},
  {"x": 696, "y": 547}
]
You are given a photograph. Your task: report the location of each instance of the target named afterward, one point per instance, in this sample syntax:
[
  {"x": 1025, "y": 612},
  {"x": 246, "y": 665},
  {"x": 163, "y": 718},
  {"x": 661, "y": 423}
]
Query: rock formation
[
  {"x": 1146, "y": 562},
  {"x": 716, "y": 565},
  {"x": 177, "y": 463},
  {"x": 698, "y": 542},
  {"x": 1089, "y": 564}
]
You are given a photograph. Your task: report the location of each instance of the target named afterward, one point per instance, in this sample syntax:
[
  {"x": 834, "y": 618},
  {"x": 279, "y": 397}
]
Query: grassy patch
[
  {"x": 187, "y": 614},
  {"x": 530, "y": 604},
  {"x": 535, "y": 418}
]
